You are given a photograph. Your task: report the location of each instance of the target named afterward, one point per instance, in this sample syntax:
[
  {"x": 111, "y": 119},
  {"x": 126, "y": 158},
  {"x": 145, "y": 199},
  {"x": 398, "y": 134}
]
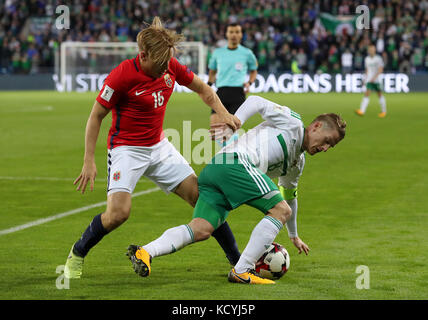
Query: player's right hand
[
  {"x": 88, "y": 174},
  {"x": 231, "y": 120}
]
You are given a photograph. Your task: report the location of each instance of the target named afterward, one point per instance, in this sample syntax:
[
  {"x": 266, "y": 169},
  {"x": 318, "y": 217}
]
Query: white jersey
[
  {"x": 275, "y": 145},
  {"x": 372, "y": 67}
]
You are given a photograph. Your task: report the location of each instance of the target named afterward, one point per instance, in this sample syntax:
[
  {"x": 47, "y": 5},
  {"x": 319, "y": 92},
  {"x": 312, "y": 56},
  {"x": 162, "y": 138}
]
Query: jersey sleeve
[
  {"x": 113, "y": 88},
  {"x": 278, "y": 116},
  {"x": 212, "y": 64},
  {"x": 252, "y": 61},
  {"x": 183, "y": 75},
  {"x": 288, "y": 188}
]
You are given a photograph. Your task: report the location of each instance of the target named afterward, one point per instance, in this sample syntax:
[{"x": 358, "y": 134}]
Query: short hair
[
  {"x": 333, "y": 121},
  {"x": 233, "y": 24},
  {"x": 159, "y": 43}
]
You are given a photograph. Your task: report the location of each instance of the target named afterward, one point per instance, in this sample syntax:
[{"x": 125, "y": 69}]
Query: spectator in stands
[
  {"x": 346, "y": 60},
  {"x": 302, "y": 60},
  {"x": 405, "y": 54}
]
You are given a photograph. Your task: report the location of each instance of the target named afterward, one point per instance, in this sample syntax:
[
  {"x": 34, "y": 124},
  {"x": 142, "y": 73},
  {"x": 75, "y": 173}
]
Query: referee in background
[{"x": 228, "y": 68}]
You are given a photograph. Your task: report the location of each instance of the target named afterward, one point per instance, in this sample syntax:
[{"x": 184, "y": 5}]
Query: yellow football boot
[
  {"x": 140, "y": 259},
  {"x": 382, "y": 115},
  {"x": 359, "y": 112},
  {"x": 248, "y": 277}
]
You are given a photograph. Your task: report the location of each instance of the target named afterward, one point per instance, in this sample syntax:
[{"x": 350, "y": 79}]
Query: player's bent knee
[
  {"x": 116, "y": 217},
  {"x": 120, "y": 216},
  {"x": 118, "y": 209},
  {"x": 188, "y": 190},
  {"x": 287, "y": 213},
  {"x": 201, "y": 228},
  {"x": 201, "y": 235},
  {"x": 281, "y": 211}
]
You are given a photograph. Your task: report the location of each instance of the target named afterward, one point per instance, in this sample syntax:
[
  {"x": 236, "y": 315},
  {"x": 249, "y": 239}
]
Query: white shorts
[{"x": 161, "y": 163}]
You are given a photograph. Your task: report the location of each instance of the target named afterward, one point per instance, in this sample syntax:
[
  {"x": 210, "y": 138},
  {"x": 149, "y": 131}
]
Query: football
[{"x": 274, "y": 262}]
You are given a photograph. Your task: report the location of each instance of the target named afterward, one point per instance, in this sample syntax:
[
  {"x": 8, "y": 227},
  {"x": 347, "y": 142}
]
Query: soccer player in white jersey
[
  {"x": 241, "y": 173},
  {"x": 374, "y": 68}
]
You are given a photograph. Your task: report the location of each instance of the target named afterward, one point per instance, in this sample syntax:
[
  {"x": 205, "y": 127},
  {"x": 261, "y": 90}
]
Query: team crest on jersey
[
  {"x": 168, "y": 80},
  {"x": 116, "y": 176}
]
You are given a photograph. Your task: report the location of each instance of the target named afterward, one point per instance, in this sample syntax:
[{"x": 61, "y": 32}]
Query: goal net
[{"x": 84, "y": 66}]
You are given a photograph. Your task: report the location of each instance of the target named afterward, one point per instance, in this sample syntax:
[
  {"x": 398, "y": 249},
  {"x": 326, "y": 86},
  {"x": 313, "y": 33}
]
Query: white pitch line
[
  {"x": 29, "y": 109},
  {"x": 54, "y": 179},
  {"x": 42, "y": 178},
  {"x": 67, "y": 213}
]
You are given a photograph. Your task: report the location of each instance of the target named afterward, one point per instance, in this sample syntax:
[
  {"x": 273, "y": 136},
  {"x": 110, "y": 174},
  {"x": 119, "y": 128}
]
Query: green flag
[{"x": 338, "y": 24}]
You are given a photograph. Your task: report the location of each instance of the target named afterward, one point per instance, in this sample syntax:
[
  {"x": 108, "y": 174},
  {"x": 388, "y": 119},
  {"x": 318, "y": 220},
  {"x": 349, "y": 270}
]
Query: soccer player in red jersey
[{"x": 137, "y": 92}]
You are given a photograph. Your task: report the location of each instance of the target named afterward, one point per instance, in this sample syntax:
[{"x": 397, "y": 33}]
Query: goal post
[
  {"x": 83, "y": 66},
  {"x": 194, "y": 55}
]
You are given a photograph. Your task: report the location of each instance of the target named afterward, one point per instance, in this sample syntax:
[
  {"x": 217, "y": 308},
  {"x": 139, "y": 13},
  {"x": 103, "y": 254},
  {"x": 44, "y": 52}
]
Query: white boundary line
[
  {"x": 29, "y": 109},
  {"x": 42, "y": 178},
  {"x": 55, "y": 179},
  {"x": 67, "y": 213}
]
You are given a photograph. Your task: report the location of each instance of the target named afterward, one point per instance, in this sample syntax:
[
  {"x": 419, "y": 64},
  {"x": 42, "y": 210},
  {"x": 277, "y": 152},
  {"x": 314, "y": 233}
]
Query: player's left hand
[
  {"x": 300, "y": 245},
  {"x": 220, "y": 131}
]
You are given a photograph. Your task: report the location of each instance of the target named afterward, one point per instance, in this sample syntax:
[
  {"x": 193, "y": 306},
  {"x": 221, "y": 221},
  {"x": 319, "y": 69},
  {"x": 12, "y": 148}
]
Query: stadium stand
[{"x": 282, "y": 34}]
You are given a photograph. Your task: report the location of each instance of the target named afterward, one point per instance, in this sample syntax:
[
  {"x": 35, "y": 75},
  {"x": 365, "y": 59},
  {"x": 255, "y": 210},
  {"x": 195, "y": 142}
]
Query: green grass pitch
[{"x": 362, "y": 203}]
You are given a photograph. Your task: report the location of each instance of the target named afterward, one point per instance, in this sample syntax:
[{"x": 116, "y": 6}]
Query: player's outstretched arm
[
  {"x": 291, "y": 225},
  {"x": 210, "y": 98},
  {"x": 256, "y": 104},
  {"x": 288, "y": 188},
  {"x": 270, "y": 111},
  {"x": 89, "y": 169}
]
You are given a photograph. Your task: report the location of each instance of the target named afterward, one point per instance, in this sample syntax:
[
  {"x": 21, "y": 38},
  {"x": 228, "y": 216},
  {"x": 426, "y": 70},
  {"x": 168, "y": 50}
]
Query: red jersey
[{"x": 138, "y": 102}]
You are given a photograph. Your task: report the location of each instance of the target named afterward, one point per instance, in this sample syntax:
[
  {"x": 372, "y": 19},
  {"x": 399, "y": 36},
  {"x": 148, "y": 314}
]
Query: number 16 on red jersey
[{"x": 158, "y": 98}]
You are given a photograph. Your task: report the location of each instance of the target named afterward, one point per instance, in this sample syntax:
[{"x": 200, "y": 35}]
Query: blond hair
[
  {"x": 159, "y": 43},
  {"x": 333, "y": 121}
]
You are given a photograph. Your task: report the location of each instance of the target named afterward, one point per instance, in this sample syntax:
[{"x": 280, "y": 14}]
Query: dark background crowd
[{"x": 284, "y": 35}]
